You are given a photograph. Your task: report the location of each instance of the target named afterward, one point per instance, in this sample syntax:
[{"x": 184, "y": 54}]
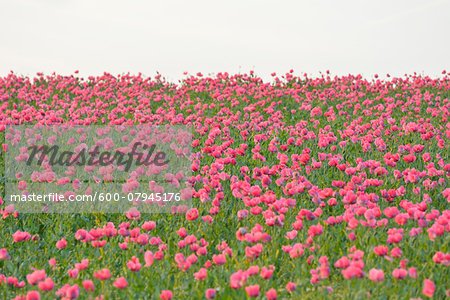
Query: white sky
[{"x": 171, "y": 37}]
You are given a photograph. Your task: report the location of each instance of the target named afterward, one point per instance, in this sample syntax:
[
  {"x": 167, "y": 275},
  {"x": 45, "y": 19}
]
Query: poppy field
[{"x": 302, "y": 188}]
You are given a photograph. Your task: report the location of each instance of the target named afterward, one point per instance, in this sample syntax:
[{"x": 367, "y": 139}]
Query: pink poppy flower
[
  {"x": 103, "y": 274},
  {"x": 120, "y": 283},
  {"x": 252, "y": 290},
  {"x": 210, "y": 294},
  {"x": 428, "y": 288},
  {"x": 88, "y": 285},
  {"x": 376, "y": 275},
  {"x": 166, "y": 295},
  {"x": 61, "y": 244}
]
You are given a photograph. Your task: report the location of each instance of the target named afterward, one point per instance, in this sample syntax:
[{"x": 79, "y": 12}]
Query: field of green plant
[{"x": 302, "y": 188}]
